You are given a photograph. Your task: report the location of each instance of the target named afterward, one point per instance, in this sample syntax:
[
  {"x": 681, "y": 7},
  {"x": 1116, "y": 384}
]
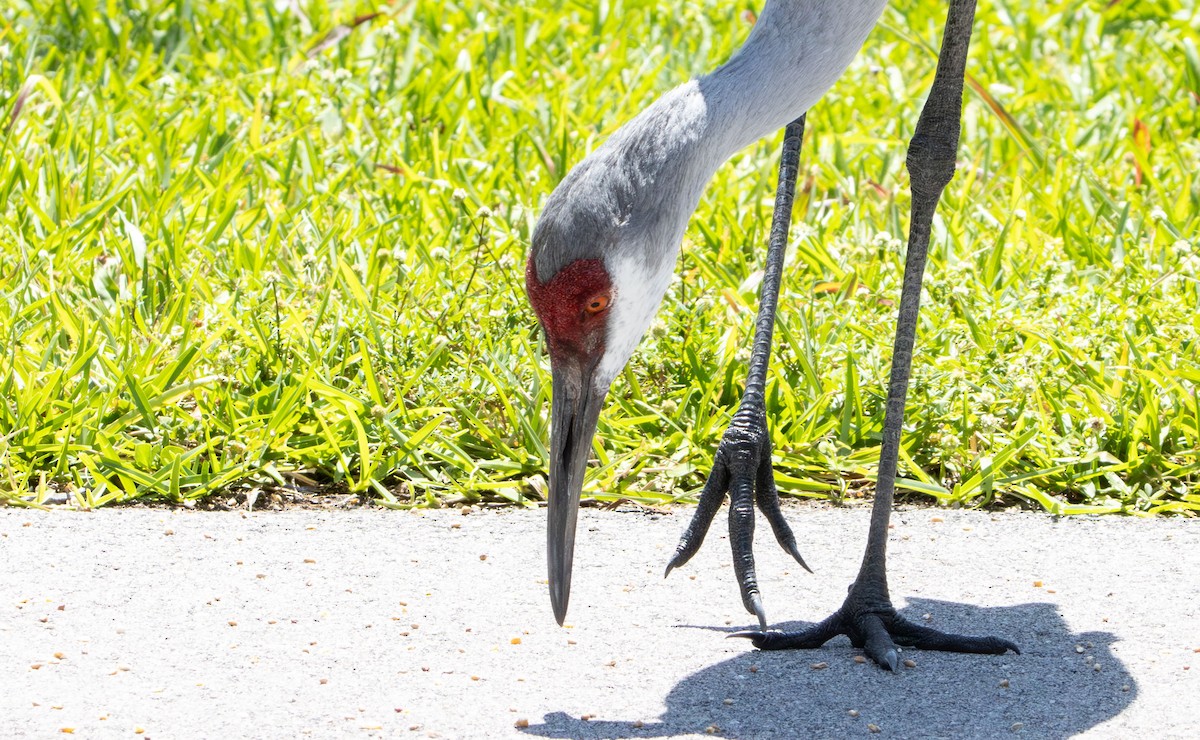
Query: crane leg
[
  {"x": 867, "y": 616},
  {"x": 742, "y": 463}
]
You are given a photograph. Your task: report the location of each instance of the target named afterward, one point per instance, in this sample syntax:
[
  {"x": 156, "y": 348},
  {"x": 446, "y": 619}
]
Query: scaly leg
[
  {"x": 867, "y": 616},
  {"x": 742, "y": 464}
]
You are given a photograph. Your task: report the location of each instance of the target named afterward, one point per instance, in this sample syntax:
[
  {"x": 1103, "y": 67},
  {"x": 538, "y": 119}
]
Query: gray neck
[
  {"x": 630, "y": 200},
  {"x": 797, "y": 50},
  {"x": 795, "y": 53}
]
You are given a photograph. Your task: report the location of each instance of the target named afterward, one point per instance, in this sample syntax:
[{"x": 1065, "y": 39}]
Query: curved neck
[{"x": 797, "y": 50}]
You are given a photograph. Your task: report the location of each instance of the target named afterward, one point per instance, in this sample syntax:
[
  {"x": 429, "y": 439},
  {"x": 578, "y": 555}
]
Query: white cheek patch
[{"x": 638, "y": 291}]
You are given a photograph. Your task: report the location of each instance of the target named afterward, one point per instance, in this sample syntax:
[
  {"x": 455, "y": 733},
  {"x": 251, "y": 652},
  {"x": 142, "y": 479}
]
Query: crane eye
[{"x": 597, "y": 304}]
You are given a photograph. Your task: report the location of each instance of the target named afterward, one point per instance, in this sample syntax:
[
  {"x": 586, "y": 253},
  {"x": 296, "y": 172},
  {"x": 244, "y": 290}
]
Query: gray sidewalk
[{"x": 381, "y": 624}]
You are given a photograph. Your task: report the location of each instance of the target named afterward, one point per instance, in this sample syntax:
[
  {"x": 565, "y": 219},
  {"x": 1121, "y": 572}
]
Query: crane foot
[
  {"x": 880, "y": 631},
  {"x": 742, "y": 469}
]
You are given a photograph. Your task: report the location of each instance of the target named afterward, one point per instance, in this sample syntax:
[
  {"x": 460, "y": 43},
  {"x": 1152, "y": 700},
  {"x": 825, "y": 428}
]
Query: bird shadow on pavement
[{"x": 1053, "y": 689}]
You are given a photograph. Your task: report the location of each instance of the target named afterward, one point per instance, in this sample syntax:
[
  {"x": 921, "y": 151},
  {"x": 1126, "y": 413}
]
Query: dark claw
[
  {"x": 757, "y": 608},
  {"x": 768, "y": 504},
  {"x": 741, "y": 541},
  {"x": 757, "y": 637},
  {"x": 889, "y": 660},
  {"x": 877, "y": 643},
  {"x": 711, "y": 499}
]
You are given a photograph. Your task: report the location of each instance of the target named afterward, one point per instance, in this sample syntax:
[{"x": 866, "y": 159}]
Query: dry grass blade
[{"x": 18, "y": 106}]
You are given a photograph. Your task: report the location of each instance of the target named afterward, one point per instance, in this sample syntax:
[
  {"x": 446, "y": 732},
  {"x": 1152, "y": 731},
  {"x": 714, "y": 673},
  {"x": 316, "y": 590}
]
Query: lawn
[{"x": 246, "y": 246}]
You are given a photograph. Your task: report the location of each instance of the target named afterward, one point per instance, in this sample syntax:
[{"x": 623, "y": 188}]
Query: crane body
[{"x": 604, "y": 251}]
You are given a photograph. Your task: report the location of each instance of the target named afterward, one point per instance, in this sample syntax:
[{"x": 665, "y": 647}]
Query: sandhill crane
[{"x": 604, "y": 251}]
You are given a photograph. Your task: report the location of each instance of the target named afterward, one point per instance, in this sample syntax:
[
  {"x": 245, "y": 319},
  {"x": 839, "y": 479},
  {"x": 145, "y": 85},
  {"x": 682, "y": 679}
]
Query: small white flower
[
  {"x": 884, "y": 240},
  {"x": 459, "y": 195}
]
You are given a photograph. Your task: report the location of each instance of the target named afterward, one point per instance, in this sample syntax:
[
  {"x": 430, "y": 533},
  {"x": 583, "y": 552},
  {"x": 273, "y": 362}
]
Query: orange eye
[{"x": 597, "y": 304}]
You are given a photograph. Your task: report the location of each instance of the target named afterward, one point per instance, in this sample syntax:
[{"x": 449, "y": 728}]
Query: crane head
[
  {"x": 591, "y": 328},
  {"x": 574, "y": 308},
  {"x": 603, "y": 254}
]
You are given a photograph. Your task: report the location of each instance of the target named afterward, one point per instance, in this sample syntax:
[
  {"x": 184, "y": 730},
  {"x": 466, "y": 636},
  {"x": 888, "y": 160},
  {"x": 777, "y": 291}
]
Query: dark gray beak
[{"x": 575, "y": 408}]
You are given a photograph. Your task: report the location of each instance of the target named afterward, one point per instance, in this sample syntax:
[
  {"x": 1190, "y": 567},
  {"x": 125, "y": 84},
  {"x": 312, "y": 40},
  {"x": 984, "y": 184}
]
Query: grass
[{"x": 243, "y": 247}]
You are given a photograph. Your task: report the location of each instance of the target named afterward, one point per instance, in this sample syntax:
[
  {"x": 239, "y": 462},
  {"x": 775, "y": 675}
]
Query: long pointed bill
[{"x": 575, "y": 408}]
